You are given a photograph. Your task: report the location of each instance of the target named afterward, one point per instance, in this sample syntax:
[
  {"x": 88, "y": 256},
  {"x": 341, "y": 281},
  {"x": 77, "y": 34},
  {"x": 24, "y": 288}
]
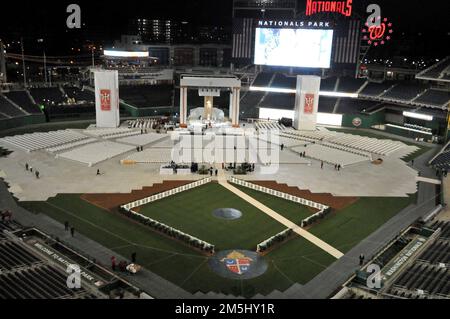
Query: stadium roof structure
[{"x": 439, "y": 72}]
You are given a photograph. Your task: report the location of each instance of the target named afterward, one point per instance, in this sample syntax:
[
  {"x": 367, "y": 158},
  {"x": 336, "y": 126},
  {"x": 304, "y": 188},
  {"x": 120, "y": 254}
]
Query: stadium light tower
[
  {"x": 45, "y": 59},
  {"x": 2, "y": 63},
  {"x": 23, "y": 64}
]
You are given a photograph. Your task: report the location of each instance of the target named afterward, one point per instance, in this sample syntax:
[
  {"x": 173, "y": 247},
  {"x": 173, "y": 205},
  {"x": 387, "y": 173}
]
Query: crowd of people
[{"x": 124, "y": 266}]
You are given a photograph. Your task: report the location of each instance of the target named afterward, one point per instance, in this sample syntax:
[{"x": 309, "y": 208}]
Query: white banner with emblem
[
  {"x": 306, "y": 102},
  {"x": 107, "y": 99}
]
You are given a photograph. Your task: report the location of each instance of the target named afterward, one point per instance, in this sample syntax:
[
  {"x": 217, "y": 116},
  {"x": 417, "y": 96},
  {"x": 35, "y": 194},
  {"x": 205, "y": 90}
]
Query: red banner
[
  {"x": 342, "y": 7},
  {"x": 309, "y": 104},
  {"x": 105, "y": 100}
]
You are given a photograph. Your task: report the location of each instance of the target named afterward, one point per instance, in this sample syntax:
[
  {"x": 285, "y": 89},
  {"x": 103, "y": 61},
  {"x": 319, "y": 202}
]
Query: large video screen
[{"x": 310, "y": 48}]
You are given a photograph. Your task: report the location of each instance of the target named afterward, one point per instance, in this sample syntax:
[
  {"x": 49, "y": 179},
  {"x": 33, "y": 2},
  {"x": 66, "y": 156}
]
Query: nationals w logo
[{"x": 378, "y": 33}]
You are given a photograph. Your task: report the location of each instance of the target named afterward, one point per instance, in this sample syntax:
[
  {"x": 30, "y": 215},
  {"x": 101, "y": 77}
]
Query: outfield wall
[
  {"x": 147, "y": 111},
  {"x": 363, "y": 120},
  {"x": 22, "y": 121}
]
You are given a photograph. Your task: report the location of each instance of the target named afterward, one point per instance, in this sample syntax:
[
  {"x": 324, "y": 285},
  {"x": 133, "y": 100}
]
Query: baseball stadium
[{"x": 298, "y": 150}]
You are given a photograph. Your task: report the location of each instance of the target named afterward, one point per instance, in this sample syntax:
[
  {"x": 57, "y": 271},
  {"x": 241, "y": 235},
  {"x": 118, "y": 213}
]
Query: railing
[
  {"x": 311, "y": 219},
  {"x": 127, "y": 210},
  {"x": 269, "y": 242},
  {"x": 323, "y": 209},
  {"x": 279, "y": 194},
  {"x": 170, "y": 231},
  {"x": 153, "y": 198}
]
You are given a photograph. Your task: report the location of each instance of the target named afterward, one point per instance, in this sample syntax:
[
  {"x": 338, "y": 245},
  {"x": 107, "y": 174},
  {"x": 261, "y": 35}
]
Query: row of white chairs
[
  {"x": 311, "y": 135},
  {"x": 94, "y": 153},
  {"x": 270, "y": 126},
  {"x": 325, "y": 143},
  {"x": 346, "y": 149},
  {"x": 280, "y": 139},
  {"x": 298, "y": 137},
  {"x": 122, "y": 135},
  {"x": 37, "y": 141},
  {"x": 331, "y": 156},
  {"x": 142, "y": 123},
  {"x": 367, "y": 144},
  {"x": 360, "y": 143},
  {"x": 107, "y": 132}
]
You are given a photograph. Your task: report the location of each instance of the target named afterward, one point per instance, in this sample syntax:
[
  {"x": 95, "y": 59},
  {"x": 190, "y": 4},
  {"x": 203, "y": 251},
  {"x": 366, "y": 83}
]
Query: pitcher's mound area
[
  {"x": 227, "y": 213},
  {"x": 238, "y": 264}
]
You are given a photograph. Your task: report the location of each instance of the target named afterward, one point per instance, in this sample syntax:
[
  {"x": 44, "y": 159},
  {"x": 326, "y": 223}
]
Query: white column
[
  {"x": 183, "y": 107},
  {"x": 236, "y": 101},
  {"x": 107, "y": 99},
  {"x": 230, "y": 109}
]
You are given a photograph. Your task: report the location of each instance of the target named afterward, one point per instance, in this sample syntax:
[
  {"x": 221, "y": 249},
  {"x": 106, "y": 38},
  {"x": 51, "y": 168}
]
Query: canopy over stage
[{"x": 210, "y": 86}]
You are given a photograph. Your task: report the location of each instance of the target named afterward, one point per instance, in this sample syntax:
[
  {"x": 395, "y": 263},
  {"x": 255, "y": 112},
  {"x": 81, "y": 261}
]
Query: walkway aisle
[{"x": 300, "y": 231}]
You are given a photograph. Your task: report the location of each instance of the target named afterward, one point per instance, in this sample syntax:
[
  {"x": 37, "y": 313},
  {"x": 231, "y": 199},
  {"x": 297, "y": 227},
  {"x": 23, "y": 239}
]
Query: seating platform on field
[
  {"x": 142, "y": 123},
  {"x": 95, "y": 153},
  {"x": 269, "y": 125},
  {"x": 361, "y": 146},
  {"x": 108, "y": 133},
  {"x": 331, "y": 155},
  {"x": 68, "y": 146},
  {"x": 367, "y": 144},
  {"x": 282, "y": 139},
  {"x": 142, "y": 139}
]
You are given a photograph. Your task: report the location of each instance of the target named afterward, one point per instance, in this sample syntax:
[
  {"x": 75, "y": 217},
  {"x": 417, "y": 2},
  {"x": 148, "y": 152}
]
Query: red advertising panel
[
  {"x": 105, "y": 98},
  {"x": 309, "y": 104}
]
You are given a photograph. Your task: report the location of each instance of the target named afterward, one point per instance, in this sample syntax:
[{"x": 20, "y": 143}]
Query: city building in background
[{"x": 167, "y": 31}]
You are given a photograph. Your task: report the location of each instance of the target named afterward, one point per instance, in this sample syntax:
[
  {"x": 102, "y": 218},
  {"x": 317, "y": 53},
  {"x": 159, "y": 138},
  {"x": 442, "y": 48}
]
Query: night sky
[{"x": 106, "y": 20}]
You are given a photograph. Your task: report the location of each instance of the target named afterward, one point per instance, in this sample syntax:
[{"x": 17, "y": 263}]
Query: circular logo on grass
[
  {"x": 357, "y": 122},
  {"x": 227, "y": 213},
  {"x": 238, "y": 264}
]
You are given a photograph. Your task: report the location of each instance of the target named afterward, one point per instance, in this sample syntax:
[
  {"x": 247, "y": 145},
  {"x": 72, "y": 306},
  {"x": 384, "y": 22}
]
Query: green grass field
[
  {"x": 349, "y": 226},
  {"x": 295, "y": 261},
  {"x": 345, "y": 228},
  {"x": 192, "y": 213},
  {"x": 290, "y": 210}
]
